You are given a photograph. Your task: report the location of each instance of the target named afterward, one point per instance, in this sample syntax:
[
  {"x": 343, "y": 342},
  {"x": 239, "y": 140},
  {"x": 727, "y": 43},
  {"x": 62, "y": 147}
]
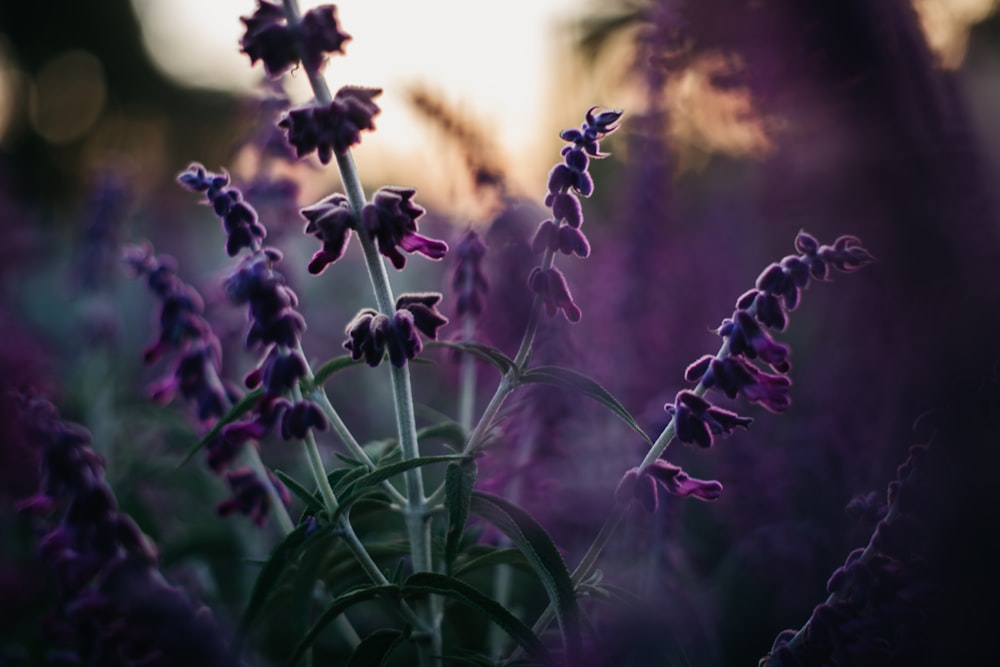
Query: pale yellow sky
[{"x": 490, "y": 59}]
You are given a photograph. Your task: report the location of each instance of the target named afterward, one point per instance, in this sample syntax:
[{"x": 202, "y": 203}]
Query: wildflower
[
  {"x": 696, "y": 420},
  {"x": 391, "y": 219},
  {"x": 663, "y": 474},
  {"x": 271, "y": 303},
  {"x": 372, "y": 334},
  {"x": 270, "y": 39},
  {"x": 250, "y": 497},
  {"x": 748, "y": 339},
  {"x": 330, "y": 221},
  {"x": 333, "y": 128},
  {"x": 239, "y": 219},
  {"x": 550, "y": 285}
]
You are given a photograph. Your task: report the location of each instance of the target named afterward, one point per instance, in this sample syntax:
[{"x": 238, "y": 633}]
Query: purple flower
[
  {"x": 333, "y": 128},
  {"x": 643, "y": 486},
  {"x": 301, "y": 417},
  {"x": 249, "y": 496},
  {"x": 367, "y": 334},
  {"x": 239, "y": 219},
  {"x": 550, "y": 285},
  {"x": 270, "y": 39},
  {"x": 371, "y": 334},
  {"x": 696, "y": 420},
  {"x": 330, "y": 221},
  {"x": 273, "y": 319},
  {"x": 748, "y": 339},
  {"x": 734, "y": 376},
  {"x": 391, "y": 219},
  {"x": 469, "y": 281}
]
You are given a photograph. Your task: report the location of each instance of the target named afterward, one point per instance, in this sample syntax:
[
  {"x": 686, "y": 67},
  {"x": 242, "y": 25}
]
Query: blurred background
[{"x": 745, "y": 121}]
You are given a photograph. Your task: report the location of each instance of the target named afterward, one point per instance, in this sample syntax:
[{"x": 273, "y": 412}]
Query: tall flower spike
[
  {"x": 239, "y": 219},
  {"x": 562, "y": 233},
  {"x": 469, "y": 281}
]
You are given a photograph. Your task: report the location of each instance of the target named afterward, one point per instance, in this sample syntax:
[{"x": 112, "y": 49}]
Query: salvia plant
[{"x": 396, "y": 552}]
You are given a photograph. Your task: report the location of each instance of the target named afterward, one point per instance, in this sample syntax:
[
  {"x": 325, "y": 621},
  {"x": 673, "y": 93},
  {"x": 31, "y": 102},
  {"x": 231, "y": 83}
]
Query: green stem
[{"x": 467, "y": 373}]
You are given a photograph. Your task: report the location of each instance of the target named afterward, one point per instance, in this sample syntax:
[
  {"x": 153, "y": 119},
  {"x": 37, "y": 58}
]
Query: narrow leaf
[
  {"x": 375, "y": 648},
  {"x": 488, "y": 353},
  {"x": 459, "y": 480},
  {"x": 314, "y": 504},
  {"x": 341, "y": 604},
  {"x": 330, "y": 367},
  {"x": 565, "y": 377},
  {"x": 449, "y": 431},
  {"x": 279, "y": 561},
  {"x": 538, "y": 547},
  {"x": 493, "y": 557},
  {"x": 432, "y": 582},
  {"x": 238, "y": 410}
]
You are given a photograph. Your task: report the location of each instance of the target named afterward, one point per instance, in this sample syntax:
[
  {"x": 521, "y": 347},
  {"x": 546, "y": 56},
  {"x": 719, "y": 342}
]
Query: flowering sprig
[
  {"x": 332, "y": 128},
  {"x": 562, "y": 232},
  {"x": 734, "y": 370}
]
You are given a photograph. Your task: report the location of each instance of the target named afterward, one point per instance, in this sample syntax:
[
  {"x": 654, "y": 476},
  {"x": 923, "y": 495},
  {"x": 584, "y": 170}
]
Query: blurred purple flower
[
  {"x": 239, "y": 219},
  {"x": 550, "y": 285},
  {"x": 249, "y": 495},
  {"x": 643, "y": 486},
  {"x": 469, "y": 282}
]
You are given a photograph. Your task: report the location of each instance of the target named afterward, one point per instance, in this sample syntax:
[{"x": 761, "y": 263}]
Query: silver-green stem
[{"x": 467, "y": 373}]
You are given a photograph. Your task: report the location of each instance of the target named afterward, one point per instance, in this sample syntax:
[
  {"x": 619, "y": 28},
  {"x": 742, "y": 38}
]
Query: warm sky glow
[{"x": 489, "y": 59}]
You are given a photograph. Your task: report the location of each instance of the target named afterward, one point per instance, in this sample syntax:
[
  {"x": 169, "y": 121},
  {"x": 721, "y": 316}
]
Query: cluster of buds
[
  {"x": 275, "y": 328},
  {"x": 371, "y": 334},
  {"x": 569, "y": 181},
  {"x": 113, "y": 604},
  {"x": 736, "y": 370},
  {"x": 196, "y": 375}
]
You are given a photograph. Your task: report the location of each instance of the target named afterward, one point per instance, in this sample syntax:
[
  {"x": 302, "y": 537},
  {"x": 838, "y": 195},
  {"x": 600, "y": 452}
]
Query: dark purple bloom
[
  {"x": 281, "y": 370},
  {"x": 333, "y": 128},
  {"x": 469, "y": 281},
  {"x": 748, "y": 339},
  {"x": 391, "y": 219},
  {"x": 643, "y": 486},
  {"x": 550, "y": 285},
  {"x": 301, "y": 417},
  {"x": 270, "y": 39},
  {"x": 250, "y": 497},
  {"x": 696, "y": 420},
  {"x": 367, "y": 334},
  {"x": 330, "y": 221},
  {"x": 371, "y": 334},
  {"x": 239, "y": 219},
  {"x": 273, "y": 318},
  {"x": 422, "y": 307}
]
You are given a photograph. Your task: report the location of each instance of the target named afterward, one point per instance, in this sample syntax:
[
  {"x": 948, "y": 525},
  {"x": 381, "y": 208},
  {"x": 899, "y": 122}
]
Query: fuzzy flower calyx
[
  {"x": 371, "y": 334},
  {"x": 696, "y": 420},
  {"x": 661, "y": 474},
  {"x": 330, "y": 221},
  {"x": 270, "y": 39},
  {"x": 550, "y": 285},
  {"x": 391, "y": 219},
  {"x": 333, "y": 128}
]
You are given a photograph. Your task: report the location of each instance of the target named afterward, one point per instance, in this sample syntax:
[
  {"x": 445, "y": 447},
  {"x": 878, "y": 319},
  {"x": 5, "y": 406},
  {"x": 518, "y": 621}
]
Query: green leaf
[
  {"x": 432, "y": 582},
  {"x": 459, "y": 479},
  {"x": 280, "y": 559},
  {"x": 366, "y": 483},
  {"x": 341, "y": 604},
  {"x": 342, "y": 481},
  {"x": 485, "y": 352},
  {"x": 312, "y": 501},
  {"x": 565, "y": 377},
  {"x": 374, "y": 650},
  {"x": 241, "y": 407},
  {"x": 449, "y": 431},
  {"x": 330, "y": 367},
  {"x": 538, "y": 547},
  {"x": 493, "y": 557}
]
